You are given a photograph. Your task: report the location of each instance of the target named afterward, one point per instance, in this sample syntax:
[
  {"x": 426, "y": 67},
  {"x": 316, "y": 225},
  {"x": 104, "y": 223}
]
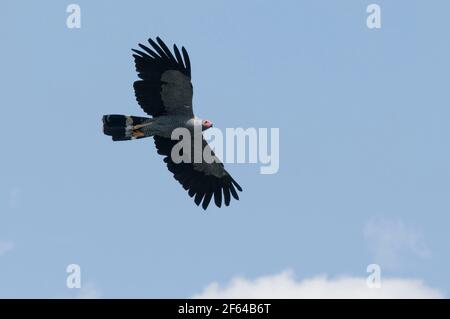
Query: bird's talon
[{"x": 138, "y": 134}]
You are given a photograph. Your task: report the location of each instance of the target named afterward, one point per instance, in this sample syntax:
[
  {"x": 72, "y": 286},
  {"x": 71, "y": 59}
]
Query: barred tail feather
[{"x": 120, "y": 127}]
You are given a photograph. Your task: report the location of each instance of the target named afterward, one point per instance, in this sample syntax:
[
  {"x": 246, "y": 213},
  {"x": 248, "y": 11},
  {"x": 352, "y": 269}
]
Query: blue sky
[{"x": 364, "y": 146}]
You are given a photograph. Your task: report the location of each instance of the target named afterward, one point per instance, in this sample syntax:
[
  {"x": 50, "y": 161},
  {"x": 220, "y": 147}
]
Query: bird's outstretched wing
[
  {"x": 165, "y": 87},
  {"x": 202, "y": 180}
]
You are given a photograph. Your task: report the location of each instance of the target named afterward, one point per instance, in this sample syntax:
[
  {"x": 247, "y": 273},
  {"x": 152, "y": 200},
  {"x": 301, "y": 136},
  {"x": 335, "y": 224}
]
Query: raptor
[{"x": 165, "y": 92}]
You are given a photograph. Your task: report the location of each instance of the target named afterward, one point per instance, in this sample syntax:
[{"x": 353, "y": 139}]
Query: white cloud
[
  {"x": 284, "y": 285},
  {"x": 88, "y": 291},
  {"x": 392, "y": 240},
  {"x": 6, "y": 246}
]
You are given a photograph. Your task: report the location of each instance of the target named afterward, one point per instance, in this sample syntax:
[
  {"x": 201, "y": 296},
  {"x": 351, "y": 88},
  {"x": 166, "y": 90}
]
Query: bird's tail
[{"x": 123, "y": 127}]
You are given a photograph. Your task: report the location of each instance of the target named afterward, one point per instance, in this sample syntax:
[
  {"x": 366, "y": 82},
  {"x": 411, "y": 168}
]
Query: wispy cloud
[
  {"x": 6, "y": 246},
  {"x": 14, "y": 198},
  {"x": 284, "y": 285},
  {"x": 392, "y": 240}
]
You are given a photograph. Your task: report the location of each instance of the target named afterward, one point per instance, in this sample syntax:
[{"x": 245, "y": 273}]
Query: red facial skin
[{"x": 207, "y": 123}]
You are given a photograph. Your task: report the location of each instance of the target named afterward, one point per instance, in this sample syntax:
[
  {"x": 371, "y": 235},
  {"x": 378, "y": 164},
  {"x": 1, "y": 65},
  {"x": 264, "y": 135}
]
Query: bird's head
[{"x": 206, "y": 124}]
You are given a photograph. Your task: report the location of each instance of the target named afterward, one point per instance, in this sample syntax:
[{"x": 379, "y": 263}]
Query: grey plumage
[{"x": 165, "y": 92}]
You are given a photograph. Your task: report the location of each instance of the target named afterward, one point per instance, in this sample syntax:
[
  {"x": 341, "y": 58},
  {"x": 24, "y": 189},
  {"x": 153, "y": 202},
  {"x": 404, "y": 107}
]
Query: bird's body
[{"x": 165, "y": 92}]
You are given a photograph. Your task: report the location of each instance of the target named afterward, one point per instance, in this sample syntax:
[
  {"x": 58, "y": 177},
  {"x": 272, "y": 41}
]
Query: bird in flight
[{"x": 165, "y": 92}]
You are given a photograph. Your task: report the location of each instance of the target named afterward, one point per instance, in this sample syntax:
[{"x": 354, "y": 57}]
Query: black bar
[{"x": 227, "y": 308}]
